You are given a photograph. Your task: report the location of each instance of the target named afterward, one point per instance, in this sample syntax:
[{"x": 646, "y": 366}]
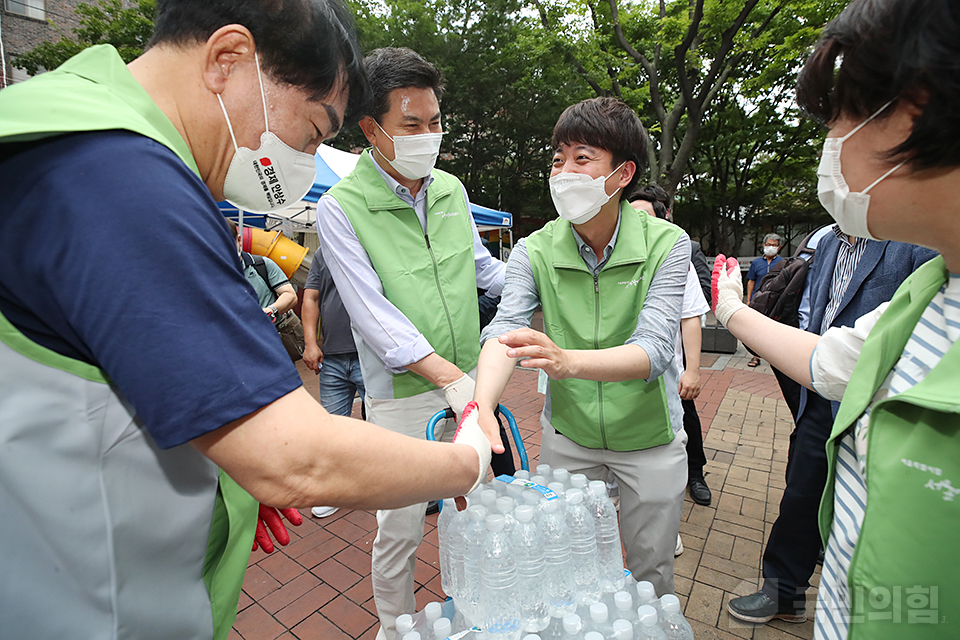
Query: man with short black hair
[
  {"x": 142, "y": 387},
  {"x": 611, "y": 281},
  {"x": 402, "y": 247}
]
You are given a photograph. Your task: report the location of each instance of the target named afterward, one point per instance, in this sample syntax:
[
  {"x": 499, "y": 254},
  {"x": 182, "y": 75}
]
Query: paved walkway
[{"x": 319, "y": 585}]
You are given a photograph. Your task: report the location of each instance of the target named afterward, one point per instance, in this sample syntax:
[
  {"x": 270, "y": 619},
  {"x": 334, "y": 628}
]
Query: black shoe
[
  {"x": 433, "y": 507},
  {"x": 700, "y": 492},
  {"x": 760, "y": 609}
]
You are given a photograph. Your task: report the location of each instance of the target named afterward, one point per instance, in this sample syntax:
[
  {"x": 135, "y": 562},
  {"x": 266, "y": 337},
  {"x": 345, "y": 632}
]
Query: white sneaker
[
  {"x": 323, "y": 512},
  {"x": 679, "y": 548}
]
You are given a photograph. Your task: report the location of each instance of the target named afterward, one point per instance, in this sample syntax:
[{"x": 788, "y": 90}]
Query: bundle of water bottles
[{"x": 541, "y": 555}]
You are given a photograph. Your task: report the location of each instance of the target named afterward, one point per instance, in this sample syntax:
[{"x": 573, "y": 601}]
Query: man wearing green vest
[
  {"x": 611, "y": 281},
  {"x": 403, "y": 250},
  {"x": 137, "y": 369}
]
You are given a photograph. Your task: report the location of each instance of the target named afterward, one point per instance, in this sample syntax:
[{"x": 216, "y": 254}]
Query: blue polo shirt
[
  {"x": 759, "y": 268},
  {"x": 116, "y": 254}
]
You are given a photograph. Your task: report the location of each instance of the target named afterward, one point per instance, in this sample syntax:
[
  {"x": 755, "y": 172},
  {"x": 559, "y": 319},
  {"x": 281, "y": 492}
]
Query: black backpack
[{"x": 779, "y": 293}]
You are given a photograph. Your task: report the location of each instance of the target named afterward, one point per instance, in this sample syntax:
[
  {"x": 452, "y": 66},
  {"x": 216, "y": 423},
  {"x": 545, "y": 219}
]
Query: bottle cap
[
  {"x": 578, "y": 480},
  {"x": 404, "y": 624},
  {"x": 645, "y": 592},
  {"x": 623, "y": 601},
  {"x": 544, "y": 470},
  {"x": 670, "y": 604},
  {"x": 413, "y": 635},
  {"x": 522, "y": 474},
  {"x": 598, "y": 487},
  {"x": 476, "y": 513},
  {"x": 523, "y": 513},
  {"x": 598, "y": 612},
  {"x": 647, "y": 615},
  {"x": 506, "y": 504},
  {"x": 551, "y": 506},
  {"x": 556, "y": 487},
  {"x": 442, "y": 628},
  {"x": 572, "y": 624},
  {"x": 495, "y": 522},
  {"x": 574, "y": 496},
  {"x": 622, "y": 629},
  {"x": 488, "y": 497},
  {"x": 561, "y": 475},
  {"x": 593, "y": 635},
  {"x": 433, "y": 611}
]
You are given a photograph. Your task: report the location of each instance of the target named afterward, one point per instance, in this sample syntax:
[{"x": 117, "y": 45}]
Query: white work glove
[
  {"x": 458, "y": 393},
  {"x": 469, "y": 432},
  {"x": 727, "y": 288}
]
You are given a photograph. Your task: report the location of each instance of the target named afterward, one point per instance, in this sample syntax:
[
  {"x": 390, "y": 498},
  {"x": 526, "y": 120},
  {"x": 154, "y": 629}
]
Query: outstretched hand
[
  {"x": 270, "y": 518},
  {"x": 537, "y": 351},
  {"x": 727, "y": 288}
]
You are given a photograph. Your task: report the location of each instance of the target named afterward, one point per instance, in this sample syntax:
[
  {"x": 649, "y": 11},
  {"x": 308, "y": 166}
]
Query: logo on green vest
[
  {"x": 446, "y": 214},
  {"x": 631, "y": 283}
]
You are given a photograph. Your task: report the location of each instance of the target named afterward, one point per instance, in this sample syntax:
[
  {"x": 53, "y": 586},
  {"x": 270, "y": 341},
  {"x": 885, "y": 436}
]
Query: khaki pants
[
  {"x": 400, "y": 531},
  {"x": 652, "y": 482}
]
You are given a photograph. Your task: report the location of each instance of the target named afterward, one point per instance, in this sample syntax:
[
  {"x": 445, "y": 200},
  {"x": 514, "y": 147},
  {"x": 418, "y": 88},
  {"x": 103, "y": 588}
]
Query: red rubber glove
[
  {"x": 270, "y": 517},
  {"x": 727, "y": 288}
]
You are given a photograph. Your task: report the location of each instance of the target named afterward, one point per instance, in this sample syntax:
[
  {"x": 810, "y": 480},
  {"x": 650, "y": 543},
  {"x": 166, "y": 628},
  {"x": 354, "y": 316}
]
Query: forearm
[
  {"x": 749, "y": 290},
  {"x": 286, "y": 300},
  {"x": 784, "y": 347},
  {"x": 436, "y": 369},
  {"x": 493, "y": 372},
  {"x": 292, "y": 453},
  {"x": 692, "y": 340},
  {"x": 310, "y": 317},
  {"x": 616, "y": 364}
]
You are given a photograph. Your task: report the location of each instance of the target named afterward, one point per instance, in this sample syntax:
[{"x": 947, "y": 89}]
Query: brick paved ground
[{"x": 319, "y": 586}]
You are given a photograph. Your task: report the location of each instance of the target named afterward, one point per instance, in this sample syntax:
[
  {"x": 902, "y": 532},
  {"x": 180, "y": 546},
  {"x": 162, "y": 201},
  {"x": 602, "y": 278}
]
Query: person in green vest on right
[
  {"x": 884, "y": 80},
  {"x": 611, "y": 282}
]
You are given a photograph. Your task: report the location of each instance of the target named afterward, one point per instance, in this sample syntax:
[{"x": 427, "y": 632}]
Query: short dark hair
[
  {"x": 392, "y": 68},
  {"x": 890, "y": 50},
  {"x": 650, "y": 194},
  {"x": 310, "y": 44},
  {"x": 608, "y": 124}
]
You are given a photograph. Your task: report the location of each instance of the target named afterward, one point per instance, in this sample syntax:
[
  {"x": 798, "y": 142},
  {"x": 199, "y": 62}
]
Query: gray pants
[{"x": 652, "y": 482}]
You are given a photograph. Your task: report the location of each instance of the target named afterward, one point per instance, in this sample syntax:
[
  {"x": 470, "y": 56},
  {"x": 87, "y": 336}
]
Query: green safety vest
[
  {"x": 906, "y": 542},
  {"x": 583, "y": 311},
  {"x": 94, "y": 91},
  {"x": 431, "y": 278}
]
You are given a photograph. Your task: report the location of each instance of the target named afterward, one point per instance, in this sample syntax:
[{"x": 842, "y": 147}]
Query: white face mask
[
  {"x": 770, "y": 251},
  {"x": 848, "y": 208},
  {"x": 271, "y": 178},
  {"x": 578, "y": 197},
  {"x": 416, "y": 155}
]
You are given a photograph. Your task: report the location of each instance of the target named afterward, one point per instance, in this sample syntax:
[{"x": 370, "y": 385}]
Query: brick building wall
[{"x": 22, "y": 33}]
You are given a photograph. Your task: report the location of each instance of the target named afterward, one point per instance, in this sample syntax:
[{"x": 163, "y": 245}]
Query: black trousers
[
  {"x": 696, "y": 458},
  {"x": 790, "y": 390},
  {"x": 794, "y": 545}
]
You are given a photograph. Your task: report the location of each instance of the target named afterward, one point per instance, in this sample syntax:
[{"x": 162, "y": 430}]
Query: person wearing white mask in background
[
  {"x": 611, "y": 281},
  {"x": 402, "y": 247},
  {"x": 884, "y": 80}
]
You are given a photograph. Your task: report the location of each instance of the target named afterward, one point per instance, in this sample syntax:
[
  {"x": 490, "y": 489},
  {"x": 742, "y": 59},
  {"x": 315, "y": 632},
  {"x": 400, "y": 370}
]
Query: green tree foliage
[
  {"x": 107, "y": 22},
  {"x": 672, "y": 59}
]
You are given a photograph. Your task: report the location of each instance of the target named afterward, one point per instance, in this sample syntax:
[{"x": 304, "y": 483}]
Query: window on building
[{"x": 29, "y": 8}]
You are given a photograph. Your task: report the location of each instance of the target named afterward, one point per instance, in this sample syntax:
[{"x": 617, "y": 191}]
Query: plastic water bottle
[
  {"x": 600, "y": 620},
  {"x": 647, "y": 595},
  {"x": 623, "y": 607},
  {"x": 473, "y": 546},
  {"x": 622, "y": 629},
  {"x": 647, "y": 624},
  {"x": 498, "y": 584},
  {"x": 404, "y": 624},
  {"x": 557, "y": 488},
  {"x": 572, "y": 628},
  {"x": 674, "y": 625},
  {"x": 610, "y": 554},
  {"x": 527, "y": 545},
  {"x": 442, "y": 629},
  {"x": 583, "y": 549},
  {"x": 554, "y": 630},
  {"x": 559, "y": 579},
  {"x": 450, "y": 526}
]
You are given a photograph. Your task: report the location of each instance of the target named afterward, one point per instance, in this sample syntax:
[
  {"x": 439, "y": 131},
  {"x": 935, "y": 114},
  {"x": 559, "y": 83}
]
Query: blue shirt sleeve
[
  {"x": 123, "y": 260},
  {"x": 752, "y": 273}
]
